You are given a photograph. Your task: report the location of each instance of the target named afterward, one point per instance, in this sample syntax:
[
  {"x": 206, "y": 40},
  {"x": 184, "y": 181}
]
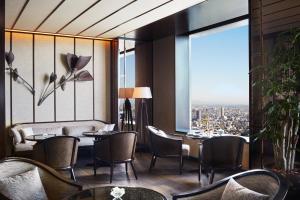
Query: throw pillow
[
  {"x": 235, "y": 191},
  {"x": 77, "y": 131},
  {"x": 24, "y": 186},
  {"x": 162, "y": 133},
  {"x": 25, "y": 132},
  {"x": 109, "y": 127}
]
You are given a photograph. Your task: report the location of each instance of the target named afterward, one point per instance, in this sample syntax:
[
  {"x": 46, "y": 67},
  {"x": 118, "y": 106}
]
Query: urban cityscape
[{"x": 228, "y": 119}]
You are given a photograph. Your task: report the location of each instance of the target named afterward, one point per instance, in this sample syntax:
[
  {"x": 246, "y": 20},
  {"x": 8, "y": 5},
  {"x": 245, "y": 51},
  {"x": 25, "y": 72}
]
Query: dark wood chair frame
[
  {"x": 280, "y": 195},
  {"x": 70, "y": 168},
  {"x": 212, "y": 169},
  {"x": 171, "y": 140},
  {"x": 112, "y": 163}
]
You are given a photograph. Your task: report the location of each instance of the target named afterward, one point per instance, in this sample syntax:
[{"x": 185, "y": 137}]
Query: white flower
[{"x": 117, "y": 192}]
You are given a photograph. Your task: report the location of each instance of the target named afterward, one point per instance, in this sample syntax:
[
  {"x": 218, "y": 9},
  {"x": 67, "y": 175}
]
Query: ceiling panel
[
  {"x": 14, "y": 7},
  {"x": 35, "y": 12},
  {"x": 99, "y": 11},
  {"x": 125, "y": 14},
  {"x": 64, "y": 14},
  {"x": 159, "y": 13}
]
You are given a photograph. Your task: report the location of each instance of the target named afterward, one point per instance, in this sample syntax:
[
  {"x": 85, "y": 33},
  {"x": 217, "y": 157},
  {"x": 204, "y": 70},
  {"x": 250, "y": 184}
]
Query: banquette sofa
[{"x": 19, "y": 132}]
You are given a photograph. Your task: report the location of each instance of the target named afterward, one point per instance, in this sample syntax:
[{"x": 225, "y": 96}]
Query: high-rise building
[{"x": 222, "y": 111}]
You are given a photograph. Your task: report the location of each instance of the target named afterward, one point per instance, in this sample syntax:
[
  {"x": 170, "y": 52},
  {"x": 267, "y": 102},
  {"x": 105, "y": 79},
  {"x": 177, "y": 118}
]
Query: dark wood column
[
  {"x": 2, "y": 80},
  {"x": 114, "y": 81}
]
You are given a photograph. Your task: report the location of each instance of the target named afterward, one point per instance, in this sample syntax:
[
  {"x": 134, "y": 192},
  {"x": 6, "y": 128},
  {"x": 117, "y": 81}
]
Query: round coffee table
[{"x": 131, "y": 193}]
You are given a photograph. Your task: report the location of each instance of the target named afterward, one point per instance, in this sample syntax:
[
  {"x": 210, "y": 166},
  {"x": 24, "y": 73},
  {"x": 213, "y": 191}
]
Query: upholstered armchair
[
  {"x": 114, "y": 149},
  {"x": 166, "y": 146},
  {"x": 221, "y": 153},
  {"x": 258, "y": 180},
  {"x": 59, "y": 153},
  {"x": 56, "y": 187}
]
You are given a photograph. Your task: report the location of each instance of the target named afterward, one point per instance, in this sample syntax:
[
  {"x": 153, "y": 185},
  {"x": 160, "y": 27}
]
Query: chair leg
[
  {"x": 72, "y": 174},
  {"x": 134, "y": 172},
  {"x": 199, "y": 171},
  {"x": 126, "y": 167},
  {"x": 180, "y": 164},
  {"x": 151, "y": 163},
  {"x": 211, "y": 178},
  {"x": 154, "y": 161},
  {"x": 111, "y": 171},
  {"x": 95, "y": 167}
]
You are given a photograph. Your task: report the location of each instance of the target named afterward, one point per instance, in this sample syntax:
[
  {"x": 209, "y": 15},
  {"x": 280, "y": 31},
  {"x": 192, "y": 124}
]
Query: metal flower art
[
  {"x": 75, "y": 64},
  {"x": 9, "y": 57}
]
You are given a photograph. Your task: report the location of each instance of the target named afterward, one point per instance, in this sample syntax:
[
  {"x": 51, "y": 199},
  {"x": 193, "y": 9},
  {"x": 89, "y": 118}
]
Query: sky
[{"x": 219, "y": 66}]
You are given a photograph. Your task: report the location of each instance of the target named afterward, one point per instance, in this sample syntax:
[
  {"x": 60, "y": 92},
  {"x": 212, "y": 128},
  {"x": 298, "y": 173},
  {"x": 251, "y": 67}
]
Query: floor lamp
[
  {"x": 142, "y": 120},
  {"x": 126, "y": 117}
]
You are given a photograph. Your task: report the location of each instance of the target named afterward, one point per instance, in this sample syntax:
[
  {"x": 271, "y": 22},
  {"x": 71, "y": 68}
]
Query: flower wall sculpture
[
  {"x": 75, "y": 73},
  {"x": 9, "y": 57}
]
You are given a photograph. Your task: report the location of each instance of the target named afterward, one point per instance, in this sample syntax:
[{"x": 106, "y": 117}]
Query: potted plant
[{"x": 281, "y": 93}]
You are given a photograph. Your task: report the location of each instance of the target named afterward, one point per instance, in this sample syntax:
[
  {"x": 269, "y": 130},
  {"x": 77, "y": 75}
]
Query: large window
[
  {"x": 126, "y": 71},
  {"x": 219, "y": 80}
]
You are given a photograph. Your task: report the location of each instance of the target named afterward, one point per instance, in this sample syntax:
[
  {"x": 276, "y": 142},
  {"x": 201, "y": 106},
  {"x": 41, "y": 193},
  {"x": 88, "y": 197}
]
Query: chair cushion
[
  {"x": 77, "y": 131},
  {"x": 185, "y": 149},
  {"x": 27, "y": 146},
  {"x": 24, "y": 186},
  {"x": 235, "y": 191},
  {"x": 86, "y": 141}
]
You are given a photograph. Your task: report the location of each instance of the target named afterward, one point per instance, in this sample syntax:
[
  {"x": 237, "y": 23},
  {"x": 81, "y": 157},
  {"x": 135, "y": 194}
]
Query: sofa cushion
[
  {"x": 86, "y": 141},
  {"x": 25, "y": 132},
  {"x": 235, "y": 191},
  {"x": 48, "y": 130},
  {"x": 107, "y": 127},
  {"x": 27, "y": 146},
  {"x": 17, "y": 137},
  {"x": 77, "y": 131},
  {"x": 24, "y": 186}
]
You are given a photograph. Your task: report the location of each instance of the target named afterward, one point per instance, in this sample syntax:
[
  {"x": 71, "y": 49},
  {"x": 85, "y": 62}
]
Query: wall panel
[
  {"x": 102, "y": 86},
  {"x": 64, "y": 99},
  {"x": 22, "y": 99},
  {"x": 84, "y": 90},
  {"x": 43, "y": 67}
]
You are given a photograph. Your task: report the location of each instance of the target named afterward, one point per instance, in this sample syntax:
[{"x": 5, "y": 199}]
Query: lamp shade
[
  {"x": 125, "y": 92},
  {"x": 142, "y": 93}
]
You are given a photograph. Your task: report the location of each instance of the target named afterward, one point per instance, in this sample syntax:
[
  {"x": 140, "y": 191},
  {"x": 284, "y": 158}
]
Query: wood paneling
[
  {"x": 84, "y": 92},
  {"x": 144, "y": 72},
  {"x": 64, "y": 99},
  {"x": 22, "y": 99},
  {"x": 102, "y": 85},
  {"x": 43, "y": 67},
  {"x": 164, "y": 84}
]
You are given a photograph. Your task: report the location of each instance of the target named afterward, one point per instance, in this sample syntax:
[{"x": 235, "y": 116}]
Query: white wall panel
[
  {"x": 12, "y": 9},
  {"x": 7, "y": 82},
  {"x": 102, "y": 80},
  {"x": 35, "y": 12},
  {"x": 22, "y": 99},
  {"x": 64, "y": 99},
  {"x": 84, "y": 90},
  {"x": 43, "y": 66},
  {"x": 65, "y": 13}
]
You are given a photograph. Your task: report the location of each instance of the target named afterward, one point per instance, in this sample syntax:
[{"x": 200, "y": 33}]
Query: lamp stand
[
  {"x": 141, "y": 122},
  {"x": 127, "y": 116}
]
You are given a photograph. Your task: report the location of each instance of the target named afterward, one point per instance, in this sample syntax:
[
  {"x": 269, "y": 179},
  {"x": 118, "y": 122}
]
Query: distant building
[{"x": 222, "y": 111}]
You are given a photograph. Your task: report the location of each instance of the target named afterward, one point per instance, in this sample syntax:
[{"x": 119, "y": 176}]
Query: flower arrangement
[{"x": 117, "y": 192}]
